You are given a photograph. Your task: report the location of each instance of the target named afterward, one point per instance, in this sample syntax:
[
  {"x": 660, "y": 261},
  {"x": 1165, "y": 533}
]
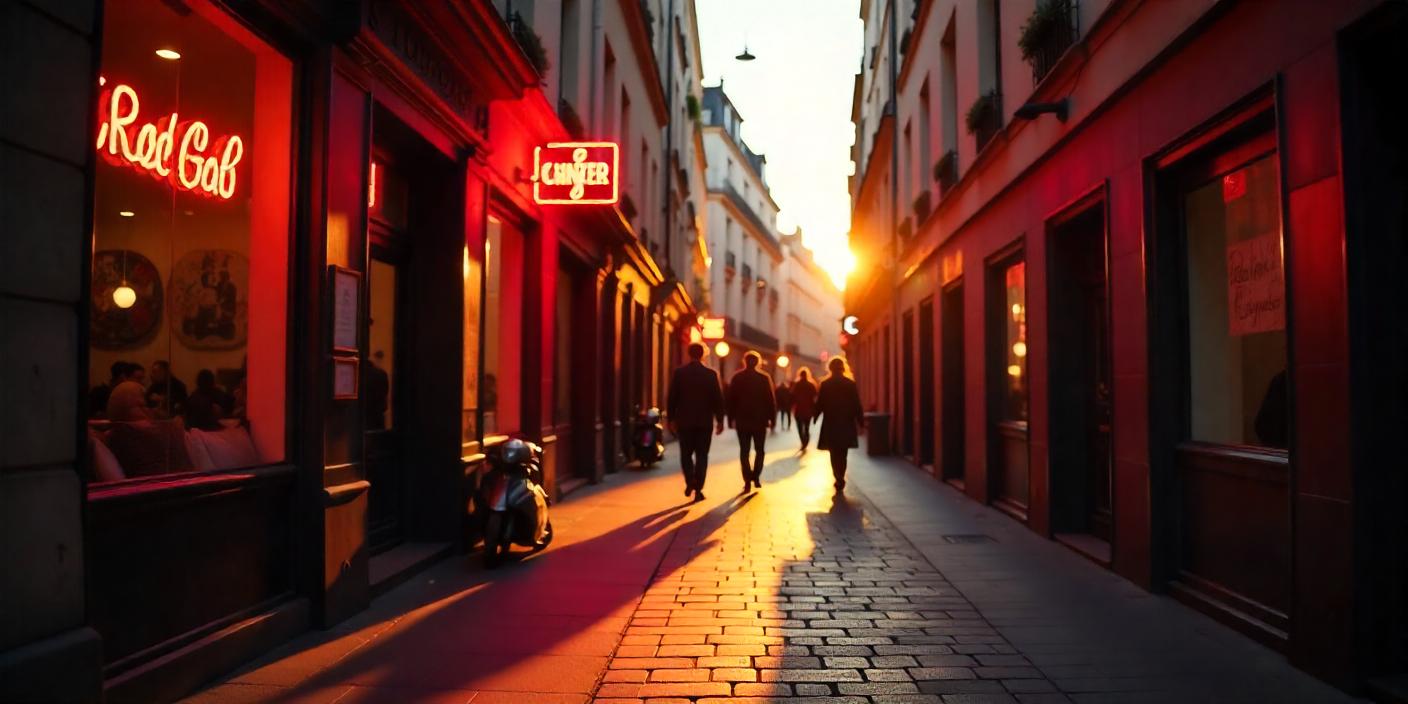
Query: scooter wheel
[{"x": 547, "y": 538}]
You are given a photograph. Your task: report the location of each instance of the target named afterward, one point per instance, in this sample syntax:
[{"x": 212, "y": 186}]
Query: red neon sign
[
  {"x": 576, "y": 173},
  {"x": 168, "y": 149}
]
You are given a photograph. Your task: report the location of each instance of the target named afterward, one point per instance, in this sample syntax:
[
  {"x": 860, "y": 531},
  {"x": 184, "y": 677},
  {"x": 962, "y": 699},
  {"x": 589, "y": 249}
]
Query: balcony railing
[
  {"x": 946, "y": 171},
  {"x": 756, "y": 337},
  {"x": 1050, "y": 30},
  {"x": 529, "y": 41},
  {"x": 984, "y": 118}
]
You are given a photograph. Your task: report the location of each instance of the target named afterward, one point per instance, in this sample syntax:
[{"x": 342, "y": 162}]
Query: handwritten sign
[
  {"x": 1256, "y": 286},
  {"x": 576, "y": 173}
]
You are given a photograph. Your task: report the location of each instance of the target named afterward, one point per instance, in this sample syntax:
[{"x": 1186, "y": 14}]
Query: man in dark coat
[
  {"x": 694, "y": 402},
  {"x": 752, "y": 410},
  {"x": 784, "y": 404}
]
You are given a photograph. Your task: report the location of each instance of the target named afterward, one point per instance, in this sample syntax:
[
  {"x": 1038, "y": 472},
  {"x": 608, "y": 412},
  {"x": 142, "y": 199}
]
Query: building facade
[
  {"x": 1120, "y": 264},
  {"x": 811, "y": 310},
  {"x": 743, "y": 240},
  {"x": 277, "y": 279}
]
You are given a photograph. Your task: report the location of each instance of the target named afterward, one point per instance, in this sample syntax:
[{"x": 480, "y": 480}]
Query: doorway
[
  {"x": 382, "y": 441},
  {"x": 1080, "y": 383},
  {"x": 952, "y": 414},
  {"x": 927, "y": 426},
  {"x": 906, "y": 418},
  {"x": 1376, "y": 252}
]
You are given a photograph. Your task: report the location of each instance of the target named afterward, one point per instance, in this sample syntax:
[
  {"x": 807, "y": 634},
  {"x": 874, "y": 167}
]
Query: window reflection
[{"x": 1014, "y": 277}]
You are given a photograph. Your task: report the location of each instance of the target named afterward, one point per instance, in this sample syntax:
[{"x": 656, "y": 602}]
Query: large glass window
[
  {"x": 1236, "y": 308},
  {"x": 503, "y": 325},
  {"x": 1014, "y": 313},
  {"x": 190, "y": 244}
]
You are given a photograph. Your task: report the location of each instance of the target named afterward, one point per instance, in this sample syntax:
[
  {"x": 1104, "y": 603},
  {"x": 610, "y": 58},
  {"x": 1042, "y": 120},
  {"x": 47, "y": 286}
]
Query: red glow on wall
[
  {"x": 576, "y": 173},
  {"x": 170, "y": 149}
]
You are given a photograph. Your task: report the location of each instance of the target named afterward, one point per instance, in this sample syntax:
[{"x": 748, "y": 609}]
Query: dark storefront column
[
  {"x": 46, "y": 650},
  {"x": 609, "y": 369}
]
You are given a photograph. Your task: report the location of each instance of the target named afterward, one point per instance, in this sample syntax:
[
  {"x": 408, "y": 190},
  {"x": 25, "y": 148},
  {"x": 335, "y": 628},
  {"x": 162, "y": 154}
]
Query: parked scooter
[
  {"x": 513, "y": 499},
  {"x": 649, "y": 445}
]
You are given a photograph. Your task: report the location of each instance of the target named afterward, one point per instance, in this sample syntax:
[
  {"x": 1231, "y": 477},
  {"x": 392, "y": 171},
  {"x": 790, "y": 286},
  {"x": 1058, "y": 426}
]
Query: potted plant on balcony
[
  {"x": 1046, "y": 35},
  {"x": 981, "y": 112},
  {"x": 946, "y": 170}
]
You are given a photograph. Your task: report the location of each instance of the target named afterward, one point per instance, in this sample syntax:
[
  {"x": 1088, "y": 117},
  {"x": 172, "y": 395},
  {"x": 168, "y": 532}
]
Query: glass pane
[
  {"x": 1236, "y": 309},
  {"x": 563, "y": 411},
  {"x": 469, "y": 398},
  {"x": 493, "y": 300},
  {"x": 381, "y": 345},
  {"x": 191, "y": 206},
  {"x": 1015, "y": 313}
]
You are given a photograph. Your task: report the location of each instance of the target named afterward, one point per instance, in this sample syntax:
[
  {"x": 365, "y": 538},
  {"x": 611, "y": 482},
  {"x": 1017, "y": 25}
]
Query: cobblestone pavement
[
  {"x": 876, "y": 594},
  {"x": 801, "y": 591}
]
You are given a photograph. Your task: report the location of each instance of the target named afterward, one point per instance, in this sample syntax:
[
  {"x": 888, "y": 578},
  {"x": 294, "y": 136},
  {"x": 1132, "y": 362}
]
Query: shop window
[
  {"x": 1236, "y": 308},
  {"x": 503, "y": 325},
  {"x": 562, "y": 405},
  {"x": 469, "y": 398},
  {"x": 189, "y": 273},
  {"x": 1014, "y": 332}
]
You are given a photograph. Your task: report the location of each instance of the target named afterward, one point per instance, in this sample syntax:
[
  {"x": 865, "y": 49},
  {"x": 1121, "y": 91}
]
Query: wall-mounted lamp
[{"x": 1030, "y": 111}]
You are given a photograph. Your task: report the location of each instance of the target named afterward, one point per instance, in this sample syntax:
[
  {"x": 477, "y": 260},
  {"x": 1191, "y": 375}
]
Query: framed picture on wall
[
  {"x": 345, "y": 375},
  {"x": 346, "y": 287}
]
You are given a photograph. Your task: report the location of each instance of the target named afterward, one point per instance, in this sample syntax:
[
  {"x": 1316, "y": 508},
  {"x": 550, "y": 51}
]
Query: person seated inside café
[
  {"x": 120, "y": 371},
  {"x": 141, "y": 444},
  {"x": 207, "y": 404},
  {"x": 166, "y": 396}
]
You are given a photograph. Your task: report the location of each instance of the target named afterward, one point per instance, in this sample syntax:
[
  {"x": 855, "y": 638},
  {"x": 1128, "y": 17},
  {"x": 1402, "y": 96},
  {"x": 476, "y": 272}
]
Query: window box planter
[
  {"x": 922, "y": 207},
  {"x": 984, "y": 117},
  {"x": 529, "y": 41},
  {"x": 946, "y": 171}
]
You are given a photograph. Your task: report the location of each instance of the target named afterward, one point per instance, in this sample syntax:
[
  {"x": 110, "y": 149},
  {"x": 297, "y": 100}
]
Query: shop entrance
[
  {"x": 952, "y": 414},
  {"x": 926, "y": 384},
  {"x": 906, "y": 418},
  {"x": 408, "y": 388},
  {"x": 1080, "y": 376},
  {"x": 1376, "y": 249}
]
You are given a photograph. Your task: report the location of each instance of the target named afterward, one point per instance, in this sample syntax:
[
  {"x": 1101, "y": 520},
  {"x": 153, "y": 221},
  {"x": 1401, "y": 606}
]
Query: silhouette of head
[
  {"x": 696, "y": 351},
  {"x": 837, "y": 366},
  {"x": 804, "y": 374},
  {"x": 752, "y": 359}
]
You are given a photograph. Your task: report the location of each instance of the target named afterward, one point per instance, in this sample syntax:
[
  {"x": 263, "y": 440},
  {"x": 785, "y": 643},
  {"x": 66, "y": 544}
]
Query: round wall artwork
[
  {"x": 209, "y": 306},
  {"x": 112, "y": 326}
]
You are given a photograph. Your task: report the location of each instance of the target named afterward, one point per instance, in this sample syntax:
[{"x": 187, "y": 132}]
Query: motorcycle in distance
[
  {"x": 513, "y": 500},
  {"x": 649, "y": 438}
]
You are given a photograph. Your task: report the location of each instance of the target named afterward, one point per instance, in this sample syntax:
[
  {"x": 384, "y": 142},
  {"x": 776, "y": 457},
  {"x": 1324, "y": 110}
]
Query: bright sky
[{"x": 795, "y": 100}]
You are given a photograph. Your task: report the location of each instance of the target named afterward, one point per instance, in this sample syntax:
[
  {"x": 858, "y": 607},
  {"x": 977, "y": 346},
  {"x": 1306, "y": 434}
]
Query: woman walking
[
  {"x": 838, "y": 403},
  {"x": 804, "y": 405}
]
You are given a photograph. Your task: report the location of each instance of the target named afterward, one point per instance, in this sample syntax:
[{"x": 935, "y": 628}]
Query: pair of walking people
[{"x": 696, "y": 404}]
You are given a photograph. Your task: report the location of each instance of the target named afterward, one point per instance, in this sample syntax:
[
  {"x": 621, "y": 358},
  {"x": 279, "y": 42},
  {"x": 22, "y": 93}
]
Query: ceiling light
[
  {"x": 126, "y": 213},
  {"x": 168, "y": 54},
  {"x": 124, "y": 296}
]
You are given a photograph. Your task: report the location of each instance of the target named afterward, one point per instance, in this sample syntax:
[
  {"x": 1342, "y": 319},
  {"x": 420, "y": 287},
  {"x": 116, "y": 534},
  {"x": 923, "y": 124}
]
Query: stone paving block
[
  {"x": 734, "y": 674},
  {"x": 692, "y": 675},
  {"x": 685, "y": 689},
  {"x": 791, "y": 675},
  {"x": 874, "y": 675},
  {"x": 875, "y": 688},
  {"x": 941, "y": 673}
]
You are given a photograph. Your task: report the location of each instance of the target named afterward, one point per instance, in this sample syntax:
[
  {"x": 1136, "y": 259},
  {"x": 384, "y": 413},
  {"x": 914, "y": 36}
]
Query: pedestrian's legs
[
  {"x": 744, "y": 438},
  {"x": 686, "y": 437},
  {"x": 758, "y": 441},
  {"x": 804, "y": 430},
  {"x": 838, "y": 466},
  {"x": 701, "y": 457}
]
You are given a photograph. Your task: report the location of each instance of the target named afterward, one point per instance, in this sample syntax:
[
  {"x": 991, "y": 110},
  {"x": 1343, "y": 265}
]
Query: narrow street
[{"x": 898, "y": 591}]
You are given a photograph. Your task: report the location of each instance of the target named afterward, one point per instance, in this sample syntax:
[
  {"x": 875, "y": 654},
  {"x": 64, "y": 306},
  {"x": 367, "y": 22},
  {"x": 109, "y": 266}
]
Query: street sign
[{"x": 576, "y": 173}]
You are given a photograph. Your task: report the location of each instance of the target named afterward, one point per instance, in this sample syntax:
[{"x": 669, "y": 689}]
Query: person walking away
[
  {"x": 838, "y": 404},
  {"x": 784, "y": 405},
  {"x": 752, "y": 411},
  {"x": 694, "y": 402},
  {"x": 803, "y": 394}
]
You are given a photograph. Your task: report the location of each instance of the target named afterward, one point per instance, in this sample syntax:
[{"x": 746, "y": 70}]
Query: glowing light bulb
[
  {"x": 1014, "y": 370},
  {"x": 168, "y": 54},
  {"x": 783, "y": 361},
  {"x": 721, "y": 349},
  {"x": 1019, "y": 348},
  {"x": 124, "y": 296},
  {"x": 125, "y": 213},
  {"x": 1016, "y": 310}
]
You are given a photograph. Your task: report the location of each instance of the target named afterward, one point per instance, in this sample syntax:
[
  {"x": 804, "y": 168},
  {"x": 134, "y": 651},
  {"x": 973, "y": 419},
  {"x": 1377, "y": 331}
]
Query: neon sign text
[
  {"x": 168, "y": 149},
  {"x": 576, "y": 173}
]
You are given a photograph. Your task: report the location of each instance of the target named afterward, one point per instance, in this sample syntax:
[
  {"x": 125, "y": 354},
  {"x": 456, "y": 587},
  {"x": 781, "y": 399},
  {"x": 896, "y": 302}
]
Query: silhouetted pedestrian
[
  {"x": 752, "y": 410},
  {"x": 784, "y": 405},
  {"x": 804, "y": 405},
  {"x": 694, "y": 402},
  {"x": 838, "y": 403}
]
